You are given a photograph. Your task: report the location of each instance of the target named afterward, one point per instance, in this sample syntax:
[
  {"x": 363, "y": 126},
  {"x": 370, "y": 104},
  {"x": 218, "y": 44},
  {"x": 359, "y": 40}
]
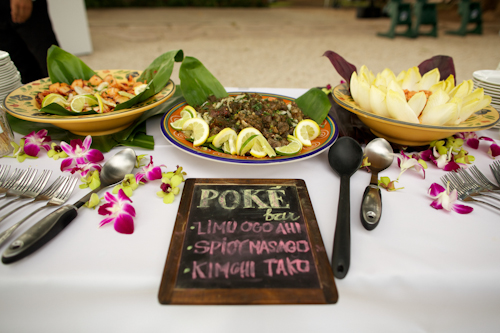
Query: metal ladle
[
  {"x": 379, "y": 153},
  {"x": 47, "y": 228}
]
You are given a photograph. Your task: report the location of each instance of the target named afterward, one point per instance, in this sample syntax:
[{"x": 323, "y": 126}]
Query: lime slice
[
  {"x": 81, "y": 102},
  {"x": 257, "y": 150},
  {"x": 225, "y": 135},
  {"x": 177, "y": 125},
  {"x": 54, "y": 98},
  {"x": 199, "y": 130},
  {"x": 294, "y": 147},
  {"x": 266, "y": 146},
  {"x": 306, "y": 131},
  {"x": 189, "y": 109},
  {"x": 140, "y": 88},
  {"x": 126, "y": 94},
  {"x": 243, "y": 144}
]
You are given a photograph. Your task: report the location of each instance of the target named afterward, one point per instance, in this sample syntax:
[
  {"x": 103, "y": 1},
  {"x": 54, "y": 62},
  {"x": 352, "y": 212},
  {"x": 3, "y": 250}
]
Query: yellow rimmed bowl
[
  {"x": 409, "y": 134},
  {"x": 21, "y": 104}
]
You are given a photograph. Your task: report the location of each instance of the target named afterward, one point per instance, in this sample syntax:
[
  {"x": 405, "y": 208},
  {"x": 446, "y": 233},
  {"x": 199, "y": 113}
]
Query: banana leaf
[
  {"x": 135, "y": 135},
  {"x": 65, "y": 67},
  {"x": 197, "y": 83},
  {"x": 315, "y": 104}
]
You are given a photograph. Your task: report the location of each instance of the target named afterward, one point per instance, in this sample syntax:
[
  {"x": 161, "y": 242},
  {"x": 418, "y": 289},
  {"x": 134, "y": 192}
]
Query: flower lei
[{"x": 78, "y": 158}]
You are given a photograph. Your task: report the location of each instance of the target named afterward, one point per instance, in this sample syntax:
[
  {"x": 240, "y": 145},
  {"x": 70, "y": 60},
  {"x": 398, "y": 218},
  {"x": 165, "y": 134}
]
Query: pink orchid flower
[
  {"x": 84, "y": 169},
  {"x": 445, "y": 161},
  {"x": 444, "y": 199},
  {"x": 34, "y": 141},
  {"x": 149, "y": 172},
  {"x": 406, "y": 162},
  {"x": 120, "y": 212},
  {"x": 472, "y": 140},
  {"x": 79, "y": 153}
]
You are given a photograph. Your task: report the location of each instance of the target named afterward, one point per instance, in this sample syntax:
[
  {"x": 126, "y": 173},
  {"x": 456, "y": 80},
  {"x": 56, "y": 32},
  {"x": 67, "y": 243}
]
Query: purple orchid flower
[
  {"x": 34, "y": 141},
  {"x": 472, "y": 140},
  {"x": 149, "y": 172},
  {"x": 406, "y": 162},
  {"x": 444, "y": 199},
  {"x": 120, "y": 212},
  {"x": 84, "y": 169},
  {"x": 79, "y": 153}
]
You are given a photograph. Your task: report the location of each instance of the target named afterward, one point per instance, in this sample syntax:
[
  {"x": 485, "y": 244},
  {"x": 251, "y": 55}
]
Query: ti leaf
[
  {"x": 343, "y": 67},
  {"x": 315, "y": 104},
  {"x": 65, "y": 67},
  {"x": 197, "y": 83}
]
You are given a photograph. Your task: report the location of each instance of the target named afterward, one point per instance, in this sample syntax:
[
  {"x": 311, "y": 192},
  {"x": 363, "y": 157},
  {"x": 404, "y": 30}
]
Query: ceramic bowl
[
  {"x": 409, "y": 134},
  {"x": 21, "y": 104}
]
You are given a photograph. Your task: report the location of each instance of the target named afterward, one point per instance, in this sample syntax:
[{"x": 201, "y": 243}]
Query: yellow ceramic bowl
[
  {"x": 21, "y": 104},
  {"x": 409, "y": 134}
]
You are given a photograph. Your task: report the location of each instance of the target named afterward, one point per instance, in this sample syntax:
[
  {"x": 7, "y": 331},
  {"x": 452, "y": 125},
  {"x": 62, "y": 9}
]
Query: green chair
[
  {"x": 471, "y": 13},
  {"x": 400, "y": 15},
  {"x": 425, "y": 14}
]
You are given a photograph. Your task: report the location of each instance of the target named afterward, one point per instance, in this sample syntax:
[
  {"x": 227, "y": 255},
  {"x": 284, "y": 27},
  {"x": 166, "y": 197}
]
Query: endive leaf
[
  {"x": 440, "y": 85},
  {"x": 438, "y": 97},
  {"x": 197, "y": 83},
  {"x": 461, "y": 90},
  {"x": 411, "y": 79},
  {"x": 364, "y": 95},
  {"x": 367, "y": 74},
  {"x": 429, "y": 79},
  {"x": 443, "y": 114},
  {"x": 399, "y": 109},
  {"x": 394, "y": 86},
  {"x": 354, "y": 86},
  {"x": 449, "y": 84},
  {"x": 472, "y": 106},
  {"x": 388, "y": 75},
  {"x": 315, "y": 104},
  {"x": 377, "y": 102},
  {"x": 417, "y": 103},
  {"x": 476, "y": 94},
  {"x": 401, "y": 77}
]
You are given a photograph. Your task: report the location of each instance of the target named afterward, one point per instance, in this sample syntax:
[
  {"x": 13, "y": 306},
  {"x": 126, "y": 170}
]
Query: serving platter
[
  {"x": 329, "y": 133},
  {"x": 21, "y": 103},
  {"x": 410, "y": 134}
]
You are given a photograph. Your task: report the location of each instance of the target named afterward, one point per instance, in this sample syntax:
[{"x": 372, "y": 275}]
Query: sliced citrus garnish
[
  {"x": 54, "y": 98},
  {"x": 306, "y": 131},
  {"x": 243, "y": 142},
  {"x": 225, "y": 135},
  {"x": 257, "y": 150},
  {"x": 294, "y": 147},
  {"x": 199, "y": 130},
  {"x": 81, "y": 102}
]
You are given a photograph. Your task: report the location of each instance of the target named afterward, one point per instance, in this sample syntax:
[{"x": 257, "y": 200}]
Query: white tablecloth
[{"x": 420, "y": 270}]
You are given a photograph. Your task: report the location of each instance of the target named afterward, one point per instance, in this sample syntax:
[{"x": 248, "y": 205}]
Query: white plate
[
  {"x": 488, "y": 76},
  {"x": 4, "y": 57}
]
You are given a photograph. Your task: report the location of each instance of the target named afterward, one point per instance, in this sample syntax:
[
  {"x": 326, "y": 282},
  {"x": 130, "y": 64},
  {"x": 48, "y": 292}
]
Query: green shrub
[{"x": 175, "y": 3}]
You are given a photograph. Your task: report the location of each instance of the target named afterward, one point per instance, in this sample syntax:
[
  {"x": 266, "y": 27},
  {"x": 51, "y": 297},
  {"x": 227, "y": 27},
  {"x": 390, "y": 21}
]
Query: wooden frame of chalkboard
[{"x": 246, "y": 241}]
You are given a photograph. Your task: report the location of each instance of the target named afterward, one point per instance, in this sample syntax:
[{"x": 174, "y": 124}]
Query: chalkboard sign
[{"x": 246, "y": 241}]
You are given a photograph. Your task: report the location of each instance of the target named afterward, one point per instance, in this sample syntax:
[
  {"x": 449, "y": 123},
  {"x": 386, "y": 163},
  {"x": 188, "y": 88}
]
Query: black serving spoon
[{"x": 345, "y": 157}]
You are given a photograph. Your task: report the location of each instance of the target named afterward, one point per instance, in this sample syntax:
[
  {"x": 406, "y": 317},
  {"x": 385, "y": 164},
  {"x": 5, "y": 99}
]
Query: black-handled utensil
[
  {"x": 47, "y": 228},
  {"x": 345, "y": 158}
]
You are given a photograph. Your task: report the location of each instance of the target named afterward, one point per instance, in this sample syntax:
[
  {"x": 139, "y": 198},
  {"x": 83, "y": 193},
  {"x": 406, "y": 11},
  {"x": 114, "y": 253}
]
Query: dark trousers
[{"x": 28, "y": 42}]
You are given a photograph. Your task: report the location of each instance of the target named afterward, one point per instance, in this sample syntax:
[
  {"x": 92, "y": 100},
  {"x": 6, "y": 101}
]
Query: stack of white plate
[
  {"x": 10, "y": 79},
  {"x": 489, "y": 80}
]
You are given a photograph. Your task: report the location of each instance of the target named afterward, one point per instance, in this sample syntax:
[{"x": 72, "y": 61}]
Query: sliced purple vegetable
[
  {"x": 343, "y": 67},
  {"x": 443, "y": 63}
]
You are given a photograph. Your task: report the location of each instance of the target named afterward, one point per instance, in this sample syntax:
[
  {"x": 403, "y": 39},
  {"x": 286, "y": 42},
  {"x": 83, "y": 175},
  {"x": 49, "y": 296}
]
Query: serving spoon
[
  {"x": 379, "y": 153},
  {"x": 345, "y": 158},
  {"x": 47, "y": 228}
]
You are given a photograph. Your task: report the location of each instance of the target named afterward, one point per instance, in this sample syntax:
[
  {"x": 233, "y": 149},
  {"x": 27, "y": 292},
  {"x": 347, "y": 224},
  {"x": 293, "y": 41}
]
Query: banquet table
[{"x": 420, "y": 270}]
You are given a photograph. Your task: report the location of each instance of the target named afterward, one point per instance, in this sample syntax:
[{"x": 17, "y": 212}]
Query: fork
[
  {"x": 472, "y": 187},
  {"x": 463, "y": 196},
  {"x": 481, "y": 178},
  {"x": 61, "y": 196},
  {"x": 495, "y": 169},
  {"x": 8, "y": 183},
  {"x": 4, "y": 172},
  {"x": 31, "y": 190},
  {"x": 44, "y": 196}
]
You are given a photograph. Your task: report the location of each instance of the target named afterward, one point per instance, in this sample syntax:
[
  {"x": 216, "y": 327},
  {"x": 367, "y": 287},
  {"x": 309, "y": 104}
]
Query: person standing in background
[{"x": 26, "y": 34}]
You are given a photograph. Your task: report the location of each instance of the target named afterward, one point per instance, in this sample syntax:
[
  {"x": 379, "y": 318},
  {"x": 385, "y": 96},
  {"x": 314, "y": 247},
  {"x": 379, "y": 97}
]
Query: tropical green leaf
[
  {"x": 65, "y": 67},
  {"x": 57, "y": 109},
  {"x": 315, "y": 104},
  {"x": 197, "y": 83}
]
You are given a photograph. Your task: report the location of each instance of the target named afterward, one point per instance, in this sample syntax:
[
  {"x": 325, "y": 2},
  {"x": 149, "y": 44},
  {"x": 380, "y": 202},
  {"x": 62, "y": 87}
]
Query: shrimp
[
  {"x": 95, "y": 80},
  {"x": 77, "y": 83},
  {"x": 120, "y": 99},
  {"x": 110, "y": 92}
]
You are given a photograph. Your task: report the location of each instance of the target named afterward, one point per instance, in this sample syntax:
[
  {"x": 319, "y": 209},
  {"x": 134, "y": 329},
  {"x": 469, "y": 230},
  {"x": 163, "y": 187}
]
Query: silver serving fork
[
  {"x": 21, "y": 184},
  {"x": 46, "y": 195},
  {"x": 8, "y": 183},
  {"x": 482, "y": 180},
  {"x": 61, "y": 195},
  {"x": 4, "y": 173},
  {"x": 30, "y": 190},
  {"x": 474, "y": 186},
  {"x": 495, "y": 169},
  {"x": 463, "y": 196}
]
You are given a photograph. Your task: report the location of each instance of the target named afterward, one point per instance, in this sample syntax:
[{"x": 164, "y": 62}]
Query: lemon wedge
[
  {"x": 189, "y": 109},
  {"x": 266, "y": 146},
  {"x": 139, "y": 89},
  {"x": 257, "y": 150},
  {"x": 246, "y": 139},
  {"x": 306, "y": 130},
  {"x": 294, "y": 147},
  {"x": 198, "y": 129},
  {"x": 100, "y": 102},
  {"x": 54, "y": 98},
  {"x": 81, "y": 102},
  {"x": 225, "y": 135}
]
